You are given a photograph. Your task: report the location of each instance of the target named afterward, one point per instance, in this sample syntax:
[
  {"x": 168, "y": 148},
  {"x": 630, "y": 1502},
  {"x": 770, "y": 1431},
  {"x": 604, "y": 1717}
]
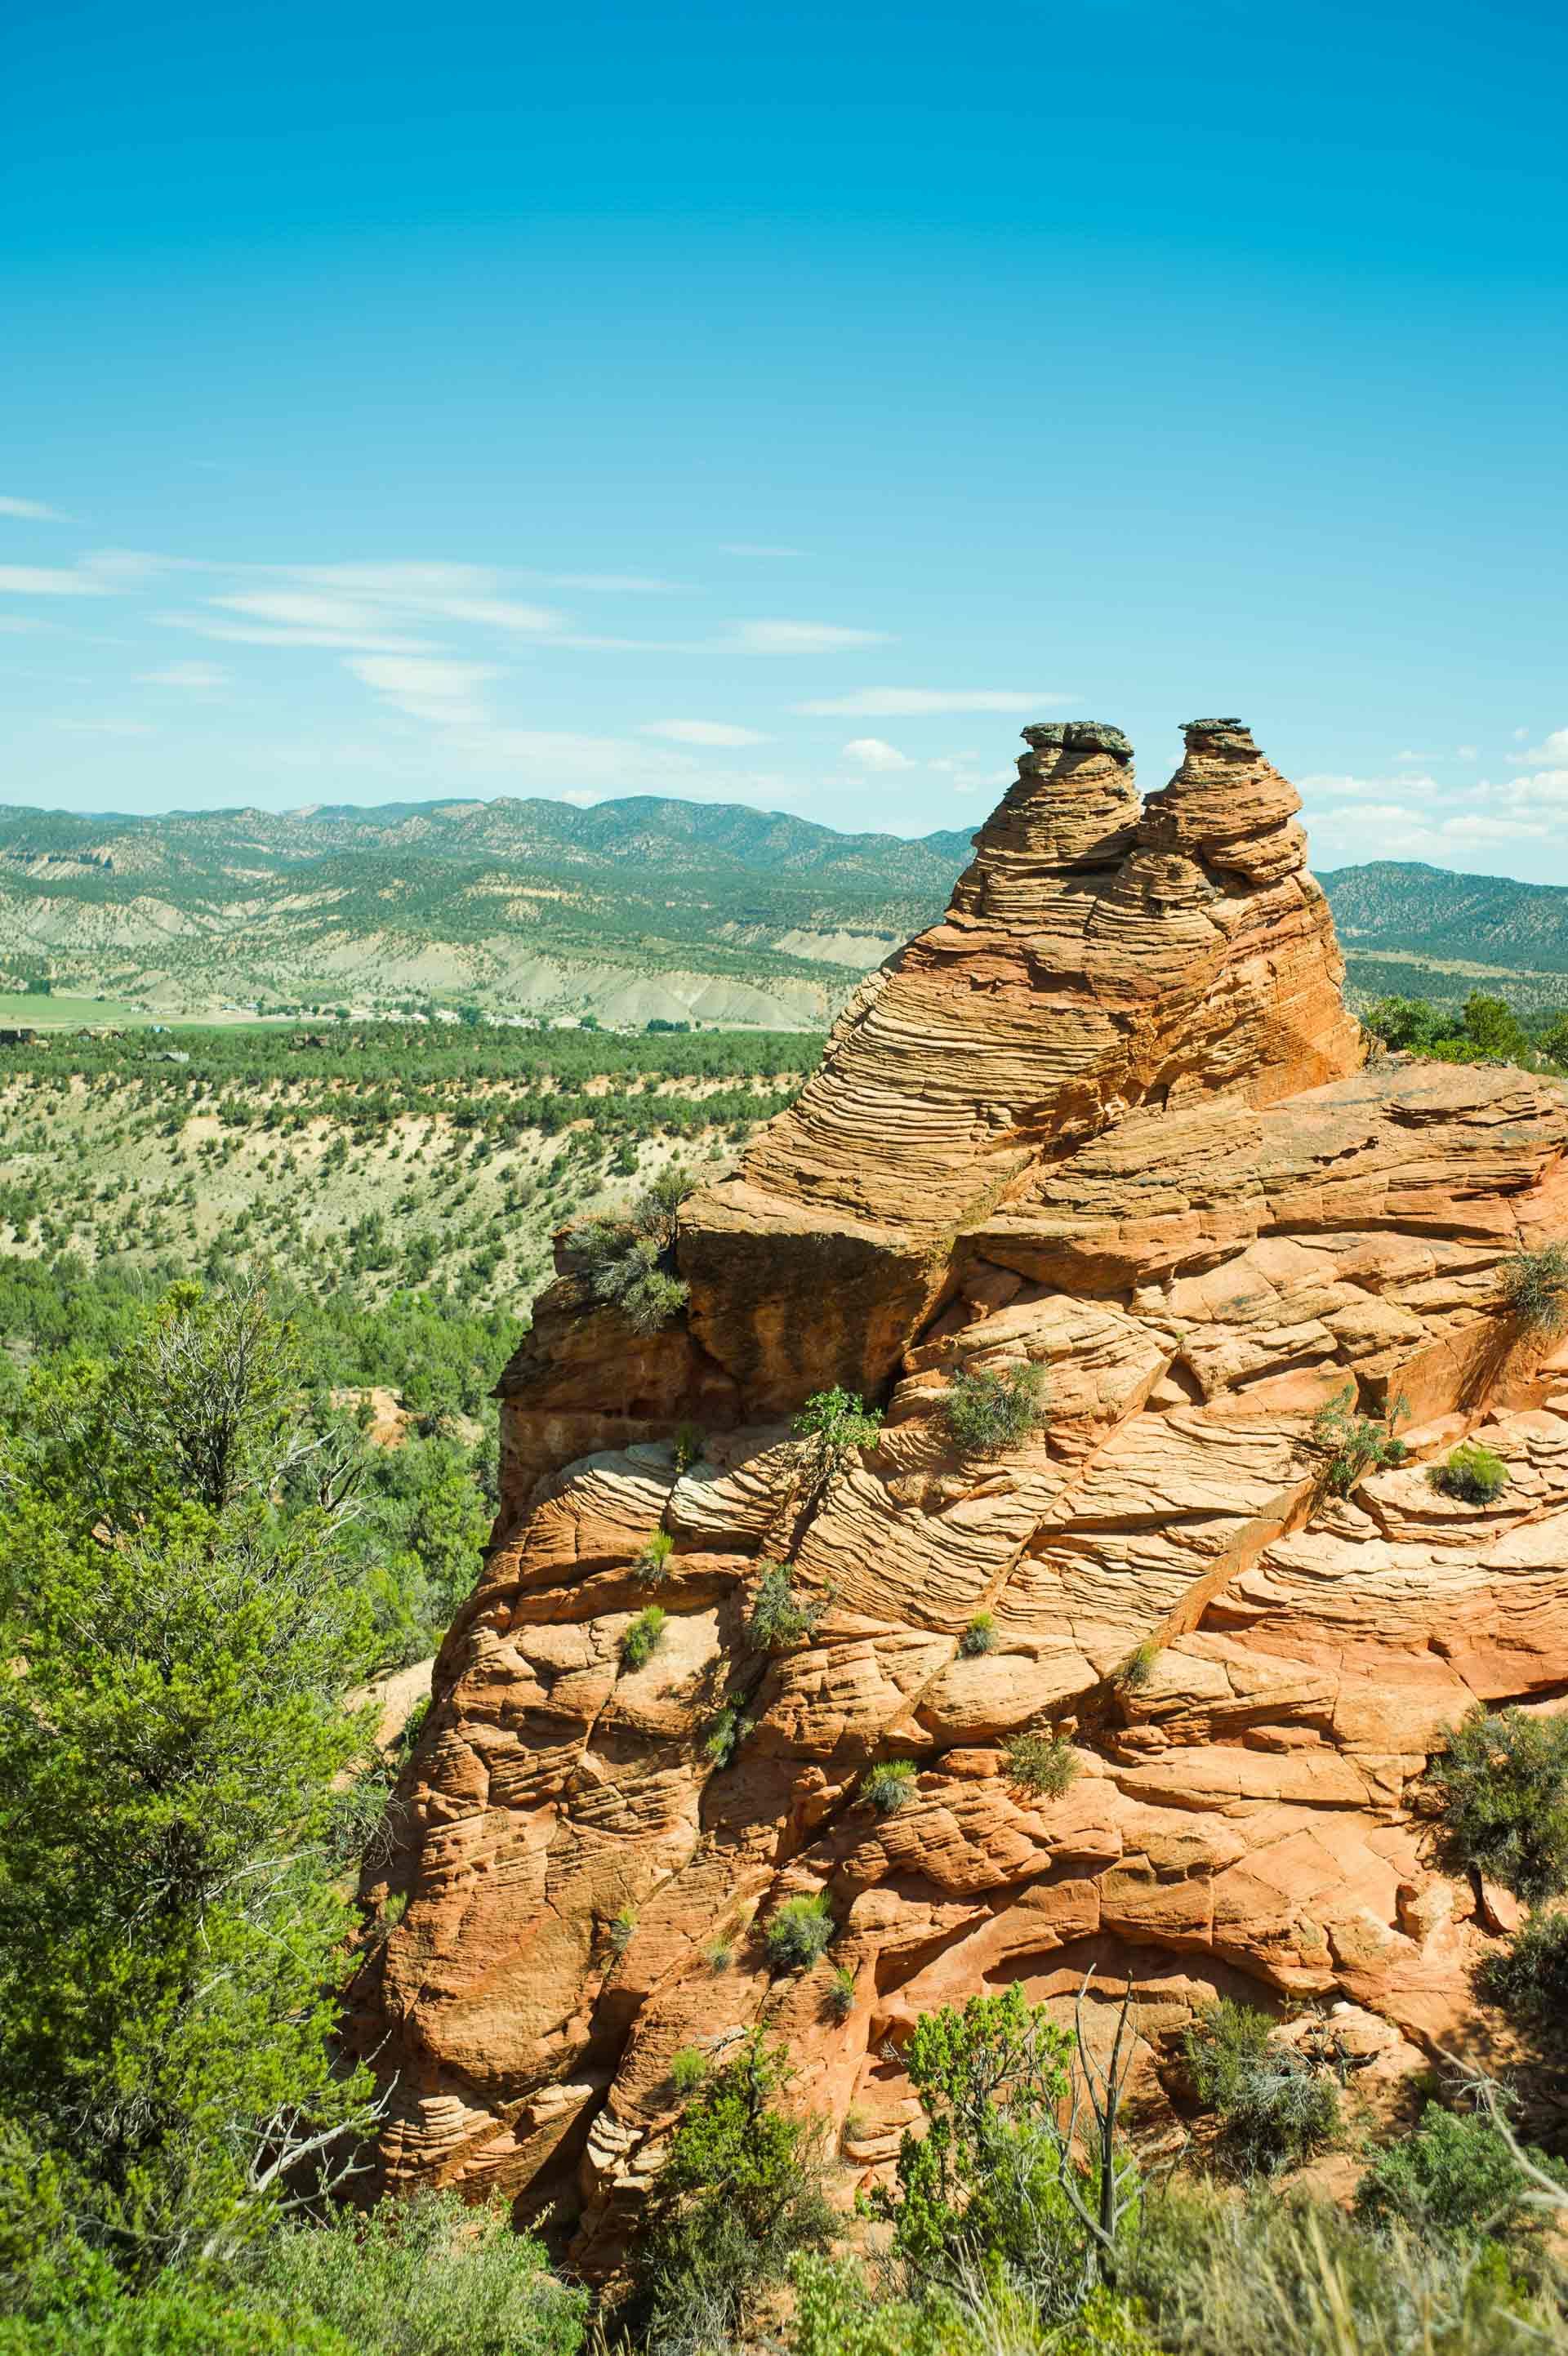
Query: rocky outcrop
[{"x": 1109, "y": 1119}]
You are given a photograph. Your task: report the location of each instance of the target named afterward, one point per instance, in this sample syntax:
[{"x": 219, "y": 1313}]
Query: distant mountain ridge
[{"x": 643, "y": 906}]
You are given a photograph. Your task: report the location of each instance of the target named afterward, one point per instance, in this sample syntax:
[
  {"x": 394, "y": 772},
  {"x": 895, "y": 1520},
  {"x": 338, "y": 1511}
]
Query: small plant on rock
[
  {"x": 1473, "y": 1473},
  {"x": 1044, "y": 1763},
  {"x": 1275, "y": 2108},
  {"x": 1501, "y": 1779},
  {"x": 832, "y": 1427},
  {"x": 652, "y": 1560},
  {"x": 780, "y": 1615},
  {"x": 643, "y": 1638},
  {"x": 979, "y": 1636},
  {"x": 994, "y": 1410},
  {"x": 727, "y": 1734},
  {"x": 622, "y": 1930},
  {"x": 718, "y": 1955},
  {"x": 800, "y": 1931},
  {"x": 839, "y": 2002},
  {"x": 687, "y": 1447},
  {"x": 1535, "y": 1287},
  {"x": 888, "y": 1786},
  {"x": 1354, "y": 1444},
  {"x": 687, "y": 2071},
  {"x": 1137, "y": 1670}
]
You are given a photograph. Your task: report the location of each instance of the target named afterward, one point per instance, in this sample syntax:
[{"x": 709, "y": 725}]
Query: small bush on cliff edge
[
  {"x": 628, "y": 1264},
  {"x": 1453, "y": 2177},
  {"x": 832, "y": 1427},
  {"x": 990, "y": 1411},
  {"x": 1529, "y": 1981},
  {"x": 1501, "y": 1779},
  {"x": 888, "y": 1786}
]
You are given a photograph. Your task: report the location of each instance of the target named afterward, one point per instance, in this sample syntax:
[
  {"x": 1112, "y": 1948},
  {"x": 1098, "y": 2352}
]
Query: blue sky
[{"x": 786, "y": 406}]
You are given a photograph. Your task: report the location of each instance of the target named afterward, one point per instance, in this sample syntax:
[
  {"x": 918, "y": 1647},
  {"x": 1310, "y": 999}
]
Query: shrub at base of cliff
[
  {"x": 981, "y": 2194},
  {"x": 836, "y": 2315},
  {"x": 1455, "y": 2178},
  {"x": 1501, "y": 1782},
  {"x": 172, "y": 1725},
  {"x": 990, "y": 1412},
  {"x": 1473, "y": 1473},
  {"x": 1530, "y": 1982},
  {"x": 800, "y": 1931},
  {"x": 426, "y": 2277},
  {"x": 1046, "y": 1764},
  {"x": 1535, "y": 1288},
  {"x": 629, "y": 1265},
  {"x": 738, "y": 2198},
  {"x": 1274, "y": 2108}
]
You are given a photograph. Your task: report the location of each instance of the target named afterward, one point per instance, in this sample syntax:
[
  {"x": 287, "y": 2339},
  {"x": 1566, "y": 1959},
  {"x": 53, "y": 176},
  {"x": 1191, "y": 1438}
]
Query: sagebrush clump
[
  {"x": 1501, "y": 1782},
  {"x": 995, "y": 1410},
  {"x": 1275, "y": 2108},
  {"x": 728, "y": 1732},
  {"x": 1472, "y": 1472},
  {"x": 979, "y": 1636},
  {"x": 1043, "y": 1763}
]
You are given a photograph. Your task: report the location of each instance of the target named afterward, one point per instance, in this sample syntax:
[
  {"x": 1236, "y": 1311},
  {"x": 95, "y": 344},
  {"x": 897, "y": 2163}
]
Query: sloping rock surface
[{"x": 1109, "y": 1119}]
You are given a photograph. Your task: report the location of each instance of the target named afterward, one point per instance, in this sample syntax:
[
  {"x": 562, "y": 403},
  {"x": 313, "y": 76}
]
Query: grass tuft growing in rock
[
  {"x": 990, "y": 1411},
  {"x": 1137, "y": 1670},
  {"x": 687, "y": 2068},
  {"x": 728, "y": 1732},
  {"x": 1473, "y": 1473},
  {"x": 654, "y": 1558},
  {"x": 1044, "y": 1763},
  {"x": 839, "y": 2002},
  {"x": 888, "y": 1786},
  {"x": 800, "y": 1931},
  {"x": 643, "y": 1638},
  {"x": 979, "y": 1636}
]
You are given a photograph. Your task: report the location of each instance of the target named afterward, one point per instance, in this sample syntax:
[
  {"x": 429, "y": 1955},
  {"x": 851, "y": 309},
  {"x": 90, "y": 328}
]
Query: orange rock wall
[{"x": 1110, "y": 1119}]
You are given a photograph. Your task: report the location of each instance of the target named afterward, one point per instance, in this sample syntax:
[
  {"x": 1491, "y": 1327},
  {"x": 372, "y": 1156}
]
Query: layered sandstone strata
[{"x": 1111, "y": 1119}]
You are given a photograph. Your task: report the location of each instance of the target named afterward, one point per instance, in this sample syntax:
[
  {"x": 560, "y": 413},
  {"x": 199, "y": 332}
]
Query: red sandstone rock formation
[{"x": 1111, "y": 1119}]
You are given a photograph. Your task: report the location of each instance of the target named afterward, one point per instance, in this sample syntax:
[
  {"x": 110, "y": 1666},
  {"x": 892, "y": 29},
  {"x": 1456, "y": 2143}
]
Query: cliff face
[{"x": 1110, "y": 1119}]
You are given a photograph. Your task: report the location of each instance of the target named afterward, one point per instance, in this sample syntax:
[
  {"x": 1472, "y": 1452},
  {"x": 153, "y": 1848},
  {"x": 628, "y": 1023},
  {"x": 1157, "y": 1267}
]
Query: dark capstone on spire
[{"x": 1078, "y": 736}]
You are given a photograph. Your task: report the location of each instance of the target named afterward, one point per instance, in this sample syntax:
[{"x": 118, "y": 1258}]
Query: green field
[{"x": 46, "y": 1012}]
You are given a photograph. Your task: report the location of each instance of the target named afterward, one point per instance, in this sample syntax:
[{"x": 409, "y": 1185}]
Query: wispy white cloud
[
  {"x": 615, "y": 585},
  {"x": 185, "y": 674},
  {"x": 444, "y": 692},
  {"x": 917, "y": 702},
  {"x": 255, "y": 634},
  {"x": 49, "y": 580},
  {"x": 872, "y": 753},
  {"x": 702, "y": 732},
  {"x": 1350, "y": 788},
  {"x": 30, "y": 511},
  {"x": 1467, "y": 752},
  {"x": 797, "y": 639}
]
